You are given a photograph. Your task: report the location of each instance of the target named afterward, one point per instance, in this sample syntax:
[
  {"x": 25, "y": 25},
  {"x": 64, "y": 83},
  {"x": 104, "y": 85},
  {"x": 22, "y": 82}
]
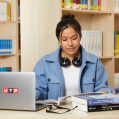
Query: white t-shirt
[{"x": 71, "y": 76}]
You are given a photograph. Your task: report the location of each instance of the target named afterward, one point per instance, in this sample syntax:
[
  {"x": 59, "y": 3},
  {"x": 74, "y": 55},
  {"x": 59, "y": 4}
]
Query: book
[
  {"x": 96, "y": 5},
  {"x": 92, "y": 41},
  {"x": 89, "y": 5},
  {"x": 9, "y": 69},
  {"x": 5, "y": 14},
  {"x": 18, "y": 12},
  {"x": 8, "y": 12},
  {"x": 74, "y": 5},
  {"x": 60, "y": 99},
  {"x": 96, "y": 99},
  {"x": 117, "y": 43},
  {"x": 116, "y": 5},
  {"x": 5, "y": 69},
  {"x": 95, "y": 108},
  {"x": 99, "y": 5},
  {"x": 117, "y": 83}
]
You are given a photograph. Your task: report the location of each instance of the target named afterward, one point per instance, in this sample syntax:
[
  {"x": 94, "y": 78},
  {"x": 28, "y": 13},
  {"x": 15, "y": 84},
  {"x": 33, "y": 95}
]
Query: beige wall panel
[{"x": 38, "y": 24}]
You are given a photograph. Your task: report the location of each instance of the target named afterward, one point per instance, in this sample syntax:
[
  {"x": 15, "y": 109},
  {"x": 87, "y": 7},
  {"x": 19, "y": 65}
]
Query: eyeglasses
[{"x": 51, "y": 108}]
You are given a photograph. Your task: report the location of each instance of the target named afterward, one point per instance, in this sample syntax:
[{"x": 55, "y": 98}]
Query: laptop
[{"x": 17, "y": 91}]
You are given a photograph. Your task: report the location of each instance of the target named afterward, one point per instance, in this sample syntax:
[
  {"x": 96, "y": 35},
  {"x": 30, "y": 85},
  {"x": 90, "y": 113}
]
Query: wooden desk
[{"x": 74, "y": 114}]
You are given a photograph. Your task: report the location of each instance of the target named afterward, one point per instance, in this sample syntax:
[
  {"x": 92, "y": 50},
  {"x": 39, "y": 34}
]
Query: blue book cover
[
  {"x": 96, "y": 99},
  {"x": 0, "y": 46},
  {"x": 0, "y": 69},
  {"x": 82, "y": 3},
  {"x": 96, "y": 5},
  {"x": 3, "y": 69},
  {"x": 10, "y": 46},
  {"x": 5, "y": 44},
  {"x": 7, "y": 47},
  {"x": 86, "y": 3}
]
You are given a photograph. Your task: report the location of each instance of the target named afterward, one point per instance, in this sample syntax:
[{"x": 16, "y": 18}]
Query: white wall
[{"x": 38, "y": 23}]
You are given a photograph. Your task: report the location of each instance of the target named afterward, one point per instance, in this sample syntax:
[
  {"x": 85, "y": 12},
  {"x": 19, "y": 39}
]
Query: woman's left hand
[{"x": 104, "y": 92}]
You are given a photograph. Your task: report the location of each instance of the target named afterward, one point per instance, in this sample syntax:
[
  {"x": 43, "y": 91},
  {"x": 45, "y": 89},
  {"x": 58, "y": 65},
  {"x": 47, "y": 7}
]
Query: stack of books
[
  {"x": 5, "y": 46},
  {"x": 116, "y": 43},
  {"x": 5, "y": 69},
  {"x": 116, "y": 5},
  {"x": 93, "y": 103},
  {"x": 92, "y": 41},
  {"x": 117, "y": 83},
  {"x": 5, "y": 14},
  {"x": 82, "y": 4}
]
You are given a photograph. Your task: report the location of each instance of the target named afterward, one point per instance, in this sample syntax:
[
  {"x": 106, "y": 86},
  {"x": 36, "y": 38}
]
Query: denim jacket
[{"x": 50, "y": 80}]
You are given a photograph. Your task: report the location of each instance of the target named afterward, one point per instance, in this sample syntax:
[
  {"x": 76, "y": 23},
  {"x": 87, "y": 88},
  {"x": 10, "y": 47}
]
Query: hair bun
[{"x": 67, "y": 16}]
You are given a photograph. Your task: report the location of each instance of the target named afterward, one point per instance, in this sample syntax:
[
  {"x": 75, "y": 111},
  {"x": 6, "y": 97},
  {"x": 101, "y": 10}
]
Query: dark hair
[{"x": 66, "y": 21}]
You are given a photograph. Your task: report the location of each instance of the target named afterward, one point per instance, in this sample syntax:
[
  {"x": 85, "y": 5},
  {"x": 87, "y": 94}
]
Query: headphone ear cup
[
  {"x": 64, "y": 61},
  {"x": 77, "y": 61}
]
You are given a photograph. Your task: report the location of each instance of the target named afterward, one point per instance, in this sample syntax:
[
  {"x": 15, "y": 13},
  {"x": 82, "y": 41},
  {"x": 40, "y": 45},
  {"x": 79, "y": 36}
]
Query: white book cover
[
  {"x": 0, "y": 11},
  {"x": 86, "y": 40},
  {"x": 98, "y": 44},
  {"x": 5, "y": 11},
  {"x": 82, "y": 39},
  {"x": 75, "y": 5},
  {"x": 93, "y": 42},
  {"x": 117, "y": 5},
  {"x": 100, "y": 39},
  {"x": 1, "y": 14},
  {"x": 68, "y": 5},
  {"x": 89, "y": 5},
  {"x": 89, "y": 41}
]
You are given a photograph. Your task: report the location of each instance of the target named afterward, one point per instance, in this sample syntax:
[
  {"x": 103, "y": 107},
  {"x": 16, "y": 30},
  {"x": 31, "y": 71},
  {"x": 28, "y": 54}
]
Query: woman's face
[{"x": 69, "y": 41}]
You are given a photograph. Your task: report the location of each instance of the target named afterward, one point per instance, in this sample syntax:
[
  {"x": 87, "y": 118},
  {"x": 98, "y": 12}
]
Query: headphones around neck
[{"x": 65, "y": 62}]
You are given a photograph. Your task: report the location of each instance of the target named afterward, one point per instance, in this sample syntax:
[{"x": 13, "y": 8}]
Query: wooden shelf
[
  {"x": 116, "y": 12},
  {"x": 1, "y": 55},
  {"x": 85, "y": 11},
  {"x": 7, "y": 21},
  {"x": 106, "y": 57},
  {"x": 116, "y": 57}
]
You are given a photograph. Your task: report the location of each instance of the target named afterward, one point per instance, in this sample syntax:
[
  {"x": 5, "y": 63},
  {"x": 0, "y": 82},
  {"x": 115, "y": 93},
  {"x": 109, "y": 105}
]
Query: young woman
[{"x": 70, "y": 69}]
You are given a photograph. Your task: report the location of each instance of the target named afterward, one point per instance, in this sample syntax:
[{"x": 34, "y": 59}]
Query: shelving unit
[
  {"x": 9, "y": 30},
  {"x": 106, "y": 21}
]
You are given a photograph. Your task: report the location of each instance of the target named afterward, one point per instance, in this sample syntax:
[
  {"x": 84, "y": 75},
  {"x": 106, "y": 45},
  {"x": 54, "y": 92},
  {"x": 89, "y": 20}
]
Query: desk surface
[{"x": 73, "y": 114}]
